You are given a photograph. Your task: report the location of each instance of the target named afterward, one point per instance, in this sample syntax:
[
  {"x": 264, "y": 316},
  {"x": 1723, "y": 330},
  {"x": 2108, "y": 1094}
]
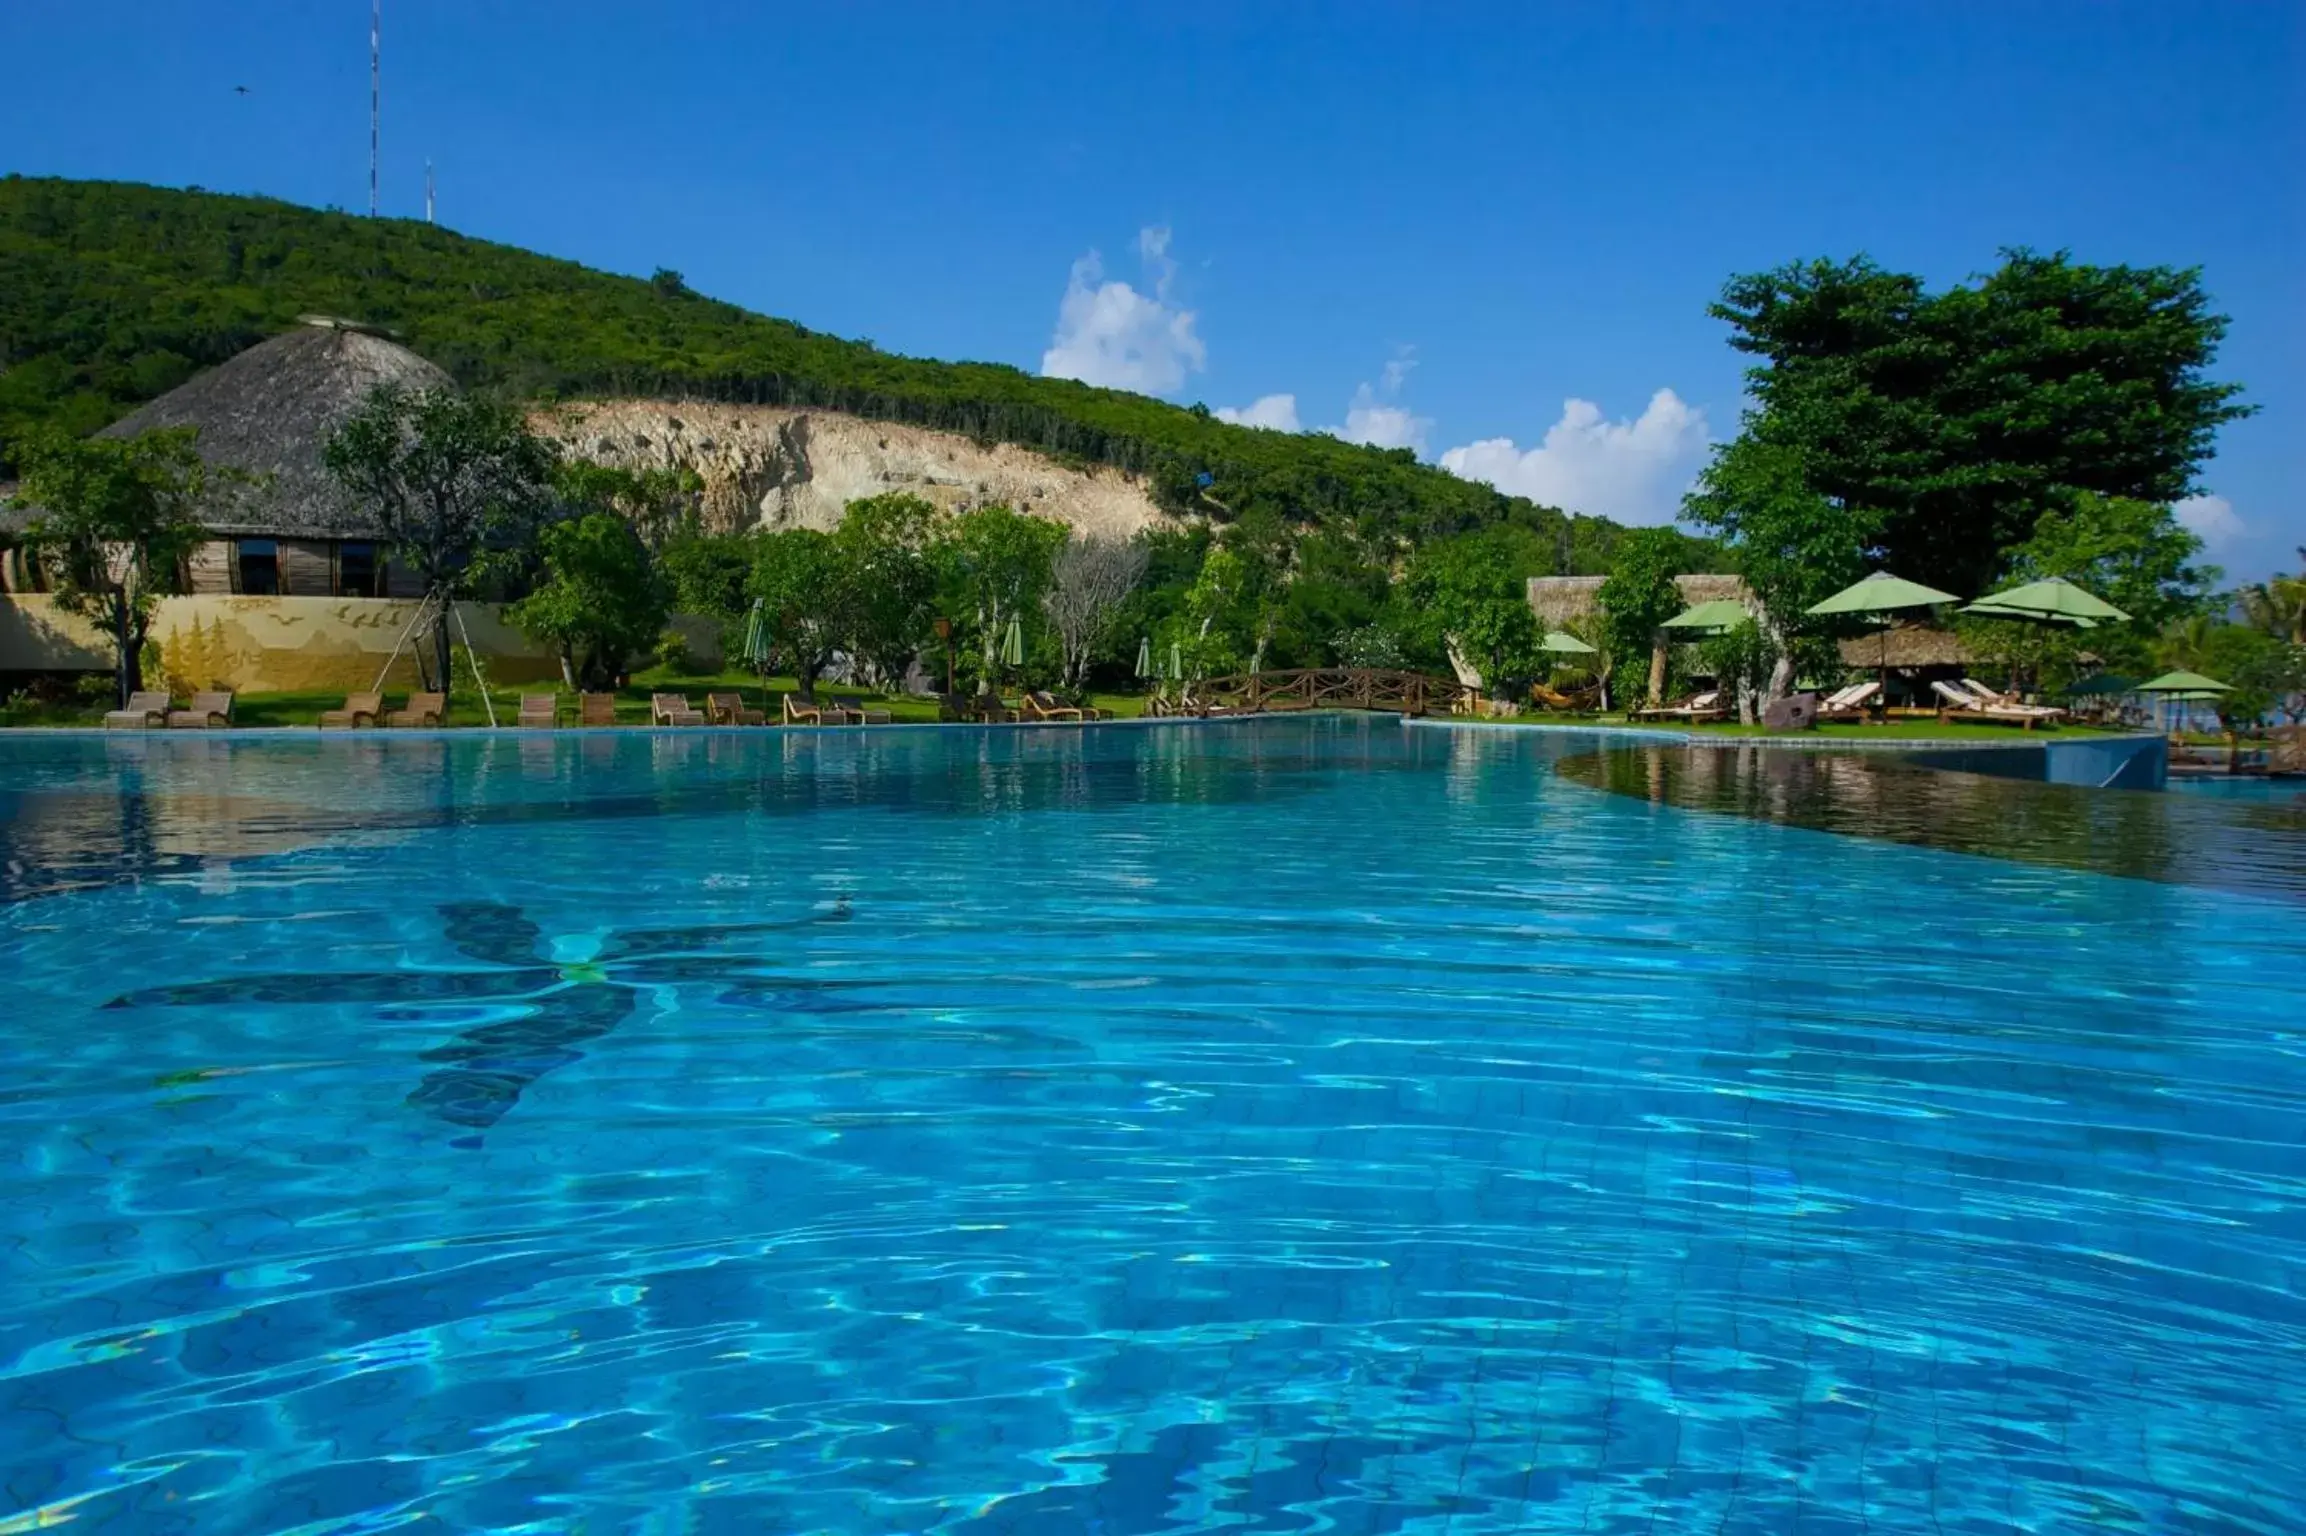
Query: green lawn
[{"x": 466, "y": 708}]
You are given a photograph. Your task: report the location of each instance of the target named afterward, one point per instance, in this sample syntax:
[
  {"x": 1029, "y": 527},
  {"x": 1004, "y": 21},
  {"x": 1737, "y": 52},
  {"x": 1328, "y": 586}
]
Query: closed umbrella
[
  {"x": 1013, "y": 645},
  {"x": 1877, "y": 597},
  {"x": 1145, "y": 656},
  {"x": 756, "y": 651},
  {"x": 1176, "y": 661}
]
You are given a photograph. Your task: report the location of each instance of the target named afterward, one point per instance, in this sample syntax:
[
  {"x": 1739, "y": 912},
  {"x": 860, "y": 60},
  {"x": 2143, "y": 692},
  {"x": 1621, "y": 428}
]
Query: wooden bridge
[{"x": 1257, "y": 693}]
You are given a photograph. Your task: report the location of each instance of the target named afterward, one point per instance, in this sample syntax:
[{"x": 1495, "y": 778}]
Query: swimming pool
[{"x": 1302, "y": 1125}]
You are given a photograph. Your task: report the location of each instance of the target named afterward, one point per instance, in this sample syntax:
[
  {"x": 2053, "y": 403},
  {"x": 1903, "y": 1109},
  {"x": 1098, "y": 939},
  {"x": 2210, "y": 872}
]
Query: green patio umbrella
[
  {"x": 756, "y": 651},
  {"x": 1176, "y": 662},
  {"x": 1145, "y": 656},
  {"x": 1013, "y": 644},
  {"x": 1877, "y": 597},
  {"x": 2052, "y": 601},
  {"x": 2184, "y": 685},
  {"x": 1562, "y": 643},
  {"x": 1717, "y": 617}
]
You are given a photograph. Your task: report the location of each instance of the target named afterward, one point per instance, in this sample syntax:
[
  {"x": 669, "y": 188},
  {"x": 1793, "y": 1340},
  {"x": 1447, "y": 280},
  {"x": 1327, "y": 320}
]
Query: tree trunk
[
  {"x": 989, "y": 682},
  {"x": 568, "y": 671},
  {"x": 1657, "y": 665},
  {"x": 442, "y": 678},
  {"x": 808, "y": 666},
  {"x": 127, "y": 665}
]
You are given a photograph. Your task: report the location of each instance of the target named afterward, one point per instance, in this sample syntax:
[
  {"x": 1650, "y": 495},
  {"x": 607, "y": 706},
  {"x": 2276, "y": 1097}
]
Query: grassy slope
[{"x": 112, "y": 293}]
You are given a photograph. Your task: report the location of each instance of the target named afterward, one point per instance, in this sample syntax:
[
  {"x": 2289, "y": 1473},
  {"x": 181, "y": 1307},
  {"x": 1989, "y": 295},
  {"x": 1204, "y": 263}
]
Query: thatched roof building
[
  {"x": 1917, "y": 647},
  {"x": 271, "y": 410},
  {"x": 1556, "y": 600}
]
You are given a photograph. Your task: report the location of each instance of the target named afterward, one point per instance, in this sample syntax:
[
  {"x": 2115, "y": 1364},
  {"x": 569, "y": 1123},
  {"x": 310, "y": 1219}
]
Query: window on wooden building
[
  {"x": 259, "y": 567},
  {"x": 359, "y": 573}
]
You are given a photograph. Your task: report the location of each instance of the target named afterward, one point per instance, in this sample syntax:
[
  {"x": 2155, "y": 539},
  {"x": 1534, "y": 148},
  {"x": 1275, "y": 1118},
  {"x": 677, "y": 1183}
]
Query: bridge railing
[{"x": 1373, "y": 688}]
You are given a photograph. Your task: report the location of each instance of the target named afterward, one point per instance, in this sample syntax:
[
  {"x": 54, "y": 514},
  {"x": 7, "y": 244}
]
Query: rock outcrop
[{"x": 777, "y": 467}]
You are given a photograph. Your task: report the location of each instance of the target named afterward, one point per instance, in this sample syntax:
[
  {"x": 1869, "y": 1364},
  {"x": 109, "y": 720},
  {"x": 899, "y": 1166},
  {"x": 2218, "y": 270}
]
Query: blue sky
[{"x": 1490, "y": 231}]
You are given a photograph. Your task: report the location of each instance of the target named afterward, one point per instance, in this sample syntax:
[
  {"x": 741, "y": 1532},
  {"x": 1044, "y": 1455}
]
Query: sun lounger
[
  {"x": 361, "y": 710},
  {"x": 424, "y": 711},
  {"x": 674, "y": 709},
  {"x": 858, "y": 712},
  {"x": 540, "y": 709},
  {"x": 1961, "y": 704},
  {"x": 1850, "y": 705},
  {"x": 206, "y": 712},
  {"x": 596, "y": 709},
  {"x": 2010, "y": 702},
  {"x": 799, "y": 711},
  {"x": 1040, "y": 704},
  {"x": 145, "y": 711},
  {"x": 729, "y": 709},
  {"x": 1698, "y": 707}
]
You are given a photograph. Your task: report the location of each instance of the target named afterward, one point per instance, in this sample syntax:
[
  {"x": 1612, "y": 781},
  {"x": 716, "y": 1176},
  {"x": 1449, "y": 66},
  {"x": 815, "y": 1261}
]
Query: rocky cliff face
[{"x": 775, "y": 467}]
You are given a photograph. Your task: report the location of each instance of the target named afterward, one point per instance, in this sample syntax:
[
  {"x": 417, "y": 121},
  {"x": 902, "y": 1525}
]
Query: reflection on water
[
  {"x": 2195, "y": 840},
  {"x": 79, "y": 811}
]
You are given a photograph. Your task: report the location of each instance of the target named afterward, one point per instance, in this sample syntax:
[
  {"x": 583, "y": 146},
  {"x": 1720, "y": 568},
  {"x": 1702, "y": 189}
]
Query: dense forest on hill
[{"x": 112, "y": 293}]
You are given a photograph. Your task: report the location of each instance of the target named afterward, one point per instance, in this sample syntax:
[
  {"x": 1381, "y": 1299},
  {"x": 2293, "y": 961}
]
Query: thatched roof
[
  {"x": 271, "y": 409},
  {"x": 1557, "y": 600},
  {"x": 1912, "y": 646}
]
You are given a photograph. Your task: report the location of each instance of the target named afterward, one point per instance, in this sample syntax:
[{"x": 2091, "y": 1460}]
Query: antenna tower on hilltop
[
  {"x": 375, "y": 91},
  {"x": 428, "y": 191}
]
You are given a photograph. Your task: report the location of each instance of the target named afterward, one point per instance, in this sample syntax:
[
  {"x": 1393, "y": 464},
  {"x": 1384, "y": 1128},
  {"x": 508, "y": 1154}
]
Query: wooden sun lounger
[
  {"x": 799, "y": 712},
  {"x": 540, "y": 709},
  {"x": 596, "y": 709},
  {"x": 1553, "y": 698},
  {"x": 674, "y": 709},
  {"x": 1851, "y": 705},
  {"x": 1698, "y": 707},
  {"x": 859, "y": 712},
  {"x": 730, "y": 709},
  {"x": 1961, "y": 704},
  {"x": 424, "y": 711},
  {"x": 206, "y": 712},
  {"x": 361, "y": 710},
  {"x": 145, "y": 712},
  {"x": 1040, "y": 704}
]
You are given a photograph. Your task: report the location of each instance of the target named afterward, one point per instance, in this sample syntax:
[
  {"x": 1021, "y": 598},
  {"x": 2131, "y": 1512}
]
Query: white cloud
[
  {"x": 1110, "y": 334},
  {"x": 1374, "y": 417},
  {"x": 1633, "y": 471},
  {"x": 1369, "y": 420},
  {"x": 2213, "y": 520},
  {"x": 1276, "y": 411}
]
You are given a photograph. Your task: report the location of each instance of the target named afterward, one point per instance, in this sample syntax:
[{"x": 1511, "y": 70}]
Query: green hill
[{"x": 113, "y": 293}]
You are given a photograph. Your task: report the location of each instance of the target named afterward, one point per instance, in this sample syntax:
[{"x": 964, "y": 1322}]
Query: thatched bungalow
[
  {"x": 1558, "y": 600},
  {"x": 270, "y": 411}
]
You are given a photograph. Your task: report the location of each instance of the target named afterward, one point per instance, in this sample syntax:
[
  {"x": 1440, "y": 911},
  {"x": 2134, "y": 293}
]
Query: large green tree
[
  {"x": 1470, "y": 595},
  {"x": 1794, "y": 545},
  {"x": 1639, "y": 595},
  {"x": 804, "y": 596},
  {"x": 602, "y": 598},
  {"x": 997, "y": 565},
  {"x": 113, "y": 522},
  {"x": 883, "y": 547},
  {"x": 447, "y": 475},
  {"x": 1962, "y": 416}
]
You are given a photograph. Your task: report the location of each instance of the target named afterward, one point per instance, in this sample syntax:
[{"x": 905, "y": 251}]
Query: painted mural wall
[{"x": 281, "y": 644}]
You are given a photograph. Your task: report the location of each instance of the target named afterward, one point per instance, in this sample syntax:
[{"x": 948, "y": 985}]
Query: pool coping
[{"x": 2015, "y": 742}]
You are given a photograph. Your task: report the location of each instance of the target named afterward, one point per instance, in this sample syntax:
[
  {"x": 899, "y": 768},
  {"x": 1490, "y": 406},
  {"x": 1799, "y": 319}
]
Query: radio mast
[
  {"x": 375, "y": 91},
  {"x": 428, "y": 191}
]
